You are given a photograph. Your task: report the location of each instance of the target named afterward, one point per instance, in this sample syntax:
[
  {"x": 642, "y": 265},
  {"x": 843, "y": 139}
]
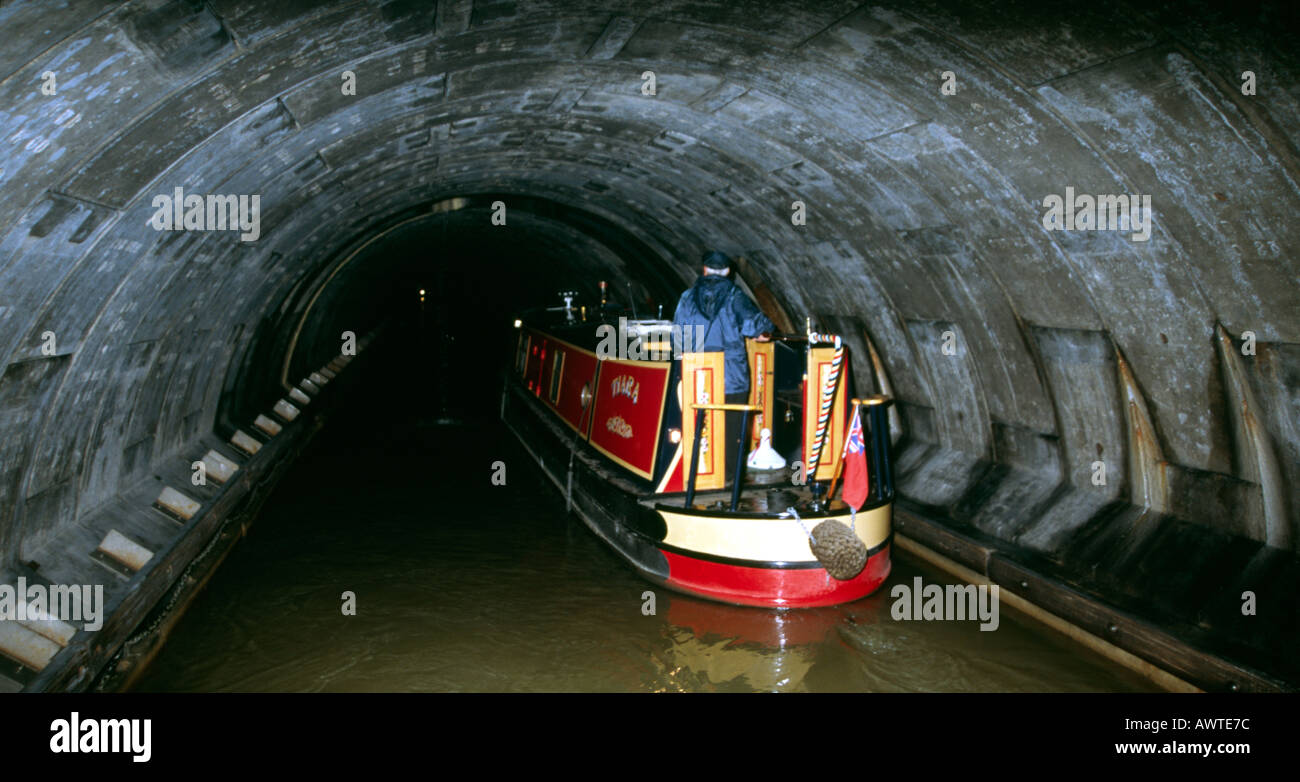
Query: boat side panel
[
  {"x": 627, "y": 421},
  {"x": 580, "y": 371}
]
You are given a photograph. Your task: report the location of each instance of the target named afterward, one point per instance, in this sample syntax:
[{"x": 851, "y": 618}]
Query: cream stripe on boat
[{"x": 766, "y": 540}]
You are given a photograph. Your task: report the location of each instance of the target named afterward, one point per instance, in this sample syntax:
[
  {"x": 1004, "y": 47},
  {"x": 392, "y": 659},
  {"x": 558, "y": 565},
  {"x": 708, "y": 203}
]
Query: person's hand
[{"x": 766, "y": 336}]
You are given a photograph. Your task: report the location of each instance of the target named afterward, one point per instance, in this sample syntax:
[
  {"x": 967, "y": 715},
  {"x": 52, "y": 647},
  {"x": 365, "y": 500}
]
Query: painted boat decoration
[{"x": 633, "y": 437}]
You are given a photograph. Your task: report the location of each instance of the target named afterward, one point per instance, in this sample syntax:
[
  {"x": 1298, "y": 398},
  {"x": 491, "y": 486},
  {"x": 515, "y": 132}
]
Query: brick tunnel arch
[{"x": 919, "y": 140}]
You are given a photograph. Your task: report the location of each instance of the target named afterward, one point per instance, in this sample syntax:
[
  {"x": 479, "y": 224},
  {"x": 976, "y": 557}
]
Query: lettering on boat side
[
  {"x": 955, "y": 602},
  {"x": 103, "y": 735},
  {"x": 618, "y": 426},
  {"x": 625, "y": 385}
]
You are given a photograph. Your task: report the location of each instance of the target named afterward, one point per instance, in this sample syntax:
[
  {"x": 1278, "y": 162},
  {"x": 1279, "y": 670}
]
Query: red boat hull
[{"x": 773, "y": 587}]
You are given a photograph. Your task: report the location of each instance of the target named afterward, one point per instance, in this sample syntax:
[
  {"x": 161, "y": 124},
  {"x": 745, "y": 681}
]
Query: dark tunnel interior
[
  {"x": 477, "y": 280},
  {"x": 1173, "y": 361}
]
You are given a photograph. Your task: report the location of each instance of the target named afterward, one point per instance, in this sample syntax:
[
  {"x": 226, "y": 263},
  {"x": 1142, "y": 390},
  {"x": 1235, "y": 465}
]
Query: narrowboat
[{"x": 630, "y": 426}]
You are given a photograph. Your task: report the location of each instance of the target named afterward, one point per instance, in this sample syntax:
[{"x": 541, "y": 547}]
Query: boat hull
[
  {"x": 773, "y": 587},
  {"x": 765, "y": 562}
]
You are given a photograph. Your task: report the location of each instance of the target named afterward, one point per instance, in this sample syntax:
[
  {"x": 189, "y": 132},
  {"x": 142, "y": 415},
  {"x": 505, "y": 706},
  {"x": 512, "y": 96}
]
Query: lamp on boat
[{"x": 674, "y": 436}]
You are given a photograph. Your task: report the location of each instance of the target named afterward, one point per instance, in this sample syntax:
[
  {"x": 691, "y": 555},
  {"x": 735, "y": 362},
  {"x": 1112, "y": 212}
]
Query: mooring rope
[
  {"x": 853, "y": 521},
  {"x": 790, "y": 511},
  {"x": 568, "y": 486},
  {"x": 827, "y": 396},
  {"x": 573, "y": 447}
]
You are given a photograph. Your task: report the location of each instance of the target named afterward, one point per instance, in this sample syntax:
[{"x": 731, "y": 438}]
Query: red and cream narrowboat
[{"x": 633, "y": 437}]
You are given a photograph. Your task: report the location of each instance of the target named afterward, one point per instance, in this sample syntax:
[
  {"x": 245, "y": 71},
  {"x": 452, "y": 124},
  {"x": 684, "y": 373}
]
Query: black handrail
[
  {"x": 695, "y": 458},
  {"x": 740, "y": 448},
  {"x": 740, "y": 459}
]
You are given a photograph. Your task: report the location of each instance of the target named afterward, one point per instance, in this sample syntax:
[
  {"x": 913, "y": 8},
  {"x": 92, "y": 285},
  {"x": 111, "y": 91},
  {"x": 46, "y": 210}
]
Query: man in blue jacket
[{"x": 728, "y": 317}]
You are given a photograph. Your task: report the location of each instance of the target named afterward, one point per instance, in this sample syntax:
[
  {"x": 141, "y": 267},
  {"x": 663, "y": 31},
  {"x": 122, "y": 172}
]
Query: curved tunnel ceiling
[{"x": 924, "y": 219}]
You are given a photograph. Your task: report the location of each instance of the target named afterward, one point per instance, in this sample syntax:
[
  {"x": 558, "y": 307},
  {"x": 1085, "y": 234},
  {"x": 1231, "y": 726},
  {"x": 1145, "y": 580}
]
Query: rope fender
[{"x": 837, "y": 547}]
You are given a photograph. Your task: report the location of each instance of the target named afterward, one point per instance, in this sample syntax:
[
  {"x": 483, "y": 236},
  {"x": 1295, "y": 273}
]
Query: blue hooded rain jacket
[{"x": 728, "y": 316}]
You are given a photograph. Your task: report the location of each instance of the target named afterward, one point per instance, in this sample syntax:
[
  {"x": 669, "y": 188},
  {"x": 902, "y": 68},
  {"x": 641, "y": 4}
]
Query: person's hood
[{"x": 711, "y": 293}]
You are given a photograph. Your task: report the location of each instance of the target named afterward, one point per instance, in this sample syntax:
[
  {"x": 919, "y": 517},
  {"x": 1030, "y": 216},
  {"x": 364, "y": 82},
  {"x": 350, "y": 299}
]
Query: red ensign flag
[{"x": 856, "y": 487}]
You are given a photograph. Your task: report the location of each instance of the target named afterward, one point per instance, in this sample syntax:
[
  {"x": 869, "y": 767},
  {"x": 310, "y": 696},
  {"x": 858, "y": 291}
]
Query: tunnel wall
[{"x": 1020, "y": 357}]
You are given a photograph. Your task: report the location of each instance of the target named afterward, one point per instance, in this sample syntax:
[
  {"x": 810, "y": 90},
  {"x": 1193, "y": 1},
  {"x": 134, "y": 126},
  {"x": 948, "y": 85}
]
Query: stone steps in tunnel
[
  {"x": 144, "y": 528},
  {"x": 118, "y": 539},
  {"x": 27, "y": 644}
]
